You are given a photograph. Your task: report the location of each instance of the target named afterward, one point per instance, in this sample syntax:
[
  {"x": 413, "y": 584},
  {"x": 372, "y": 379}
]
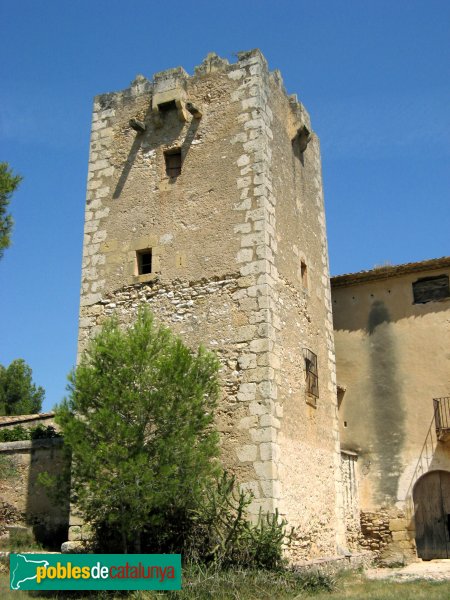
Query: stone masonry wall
[
  {"x": 309, "y": 437},
  {"x": 21, "y": 494},
  {"x": 214, "y": 237},
  {"x": 387, "y": 534}
]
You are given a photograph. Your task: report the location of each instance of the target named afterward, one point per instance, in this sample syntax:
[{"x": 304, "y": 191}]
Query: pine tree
[
  {"x": 8, "y": 184},
  {"x": 18, "y": 394},
  {"x": 138, "y": 422}
]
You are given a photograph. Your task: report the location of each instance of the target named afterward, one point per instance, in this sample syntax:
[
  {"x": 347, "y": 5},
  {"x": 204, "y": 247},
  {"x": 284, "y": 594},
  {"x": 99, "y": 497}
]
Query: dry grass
[{"x": 261, "y": 585}]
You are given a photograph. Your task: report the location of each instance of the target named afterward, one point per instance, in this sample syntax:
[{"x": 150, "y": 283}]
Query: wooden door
[{"x": 432, "y": 515}]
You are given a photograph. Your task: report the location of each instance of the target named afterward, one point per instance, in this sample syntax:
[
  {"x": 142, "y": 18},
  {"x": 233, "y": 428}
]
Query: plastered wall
[{"x": 392, "y": 360}]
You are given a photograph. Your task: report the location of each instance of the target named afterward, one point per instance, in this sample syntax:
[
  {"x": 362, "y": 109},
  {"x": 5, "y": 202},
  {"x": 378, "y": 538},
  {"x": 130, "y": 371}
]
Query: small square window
[
  {"x": 311, "y": 374},
  {"x": 165, "y": 107},
  {"x": 144, "y": 261},
  {"x": 173, "y": 162},
  {"x": 429, "y": 289}
]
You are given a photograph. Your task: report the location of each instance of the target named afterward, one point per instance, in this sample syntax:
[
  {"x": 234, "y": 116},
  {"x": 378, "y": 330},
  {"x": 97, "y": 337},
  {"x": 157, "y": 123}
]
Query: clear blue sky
[{"x": 374, "y": 75}]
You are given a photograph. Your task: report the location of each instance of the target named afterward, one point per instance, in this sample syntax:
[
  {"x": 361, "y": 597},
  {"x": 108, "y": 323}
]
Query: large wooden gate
[{"x": 432, "y": 515}]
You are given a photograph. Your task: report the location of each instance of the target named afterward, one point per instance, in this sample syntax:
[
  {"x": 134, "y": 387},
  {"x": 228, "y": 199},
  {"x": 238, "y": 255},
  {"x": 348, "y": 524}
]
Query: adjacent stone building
[
  {"x": 205, "y": 202},
  {"x": 392, "y": 334}
]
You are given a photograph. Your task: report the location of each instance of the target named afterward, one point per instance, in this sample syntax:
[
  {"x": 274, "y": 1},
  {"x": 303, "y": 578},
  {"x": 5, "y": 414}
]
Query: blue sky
[{"x": 374, "y": 75}]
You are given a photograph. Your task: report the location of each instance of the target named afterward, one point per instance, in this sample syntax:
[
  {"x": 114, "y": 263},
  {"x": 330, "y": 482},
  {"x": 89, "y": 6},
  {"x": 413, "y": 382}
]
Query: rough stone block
[
  {"x": 398, "y": 536},
  {"x": 252, "y": 487},
  {"x": 248, "y": 422},
  {"x": 260, "y": 345},
  {"x": 269, "y": 451},
  {"x": 253, "y": 268},
  {"x": 266, "y": 434},
  {"x": 74, "y": 533},
  {"x": 244, "y": 255},
  {"x": 245, "y": 333},
  {"x": 397, "y": 524},
  {"x": 247, "y": 453},
  {"x": 73, "y": 547},
  {"x": 269, "y": 421},
  {"x": 247, "y": 361},
  {"x": 258, "y": 408}
]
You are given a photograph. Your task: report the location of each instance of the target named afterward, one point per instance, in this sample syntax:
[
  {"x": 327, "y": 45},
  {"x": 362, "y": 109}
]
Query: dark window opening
[
  {"x": 429, "y": 289},
  {"x": 301, "y": 141},
  {"x": 167, "y": 106},
  {"x": 304, "y": 274},
  {"x": 173, "y": 163},
  {"x": 311, "y": 373},
  {"x": 144, "y": 261}
]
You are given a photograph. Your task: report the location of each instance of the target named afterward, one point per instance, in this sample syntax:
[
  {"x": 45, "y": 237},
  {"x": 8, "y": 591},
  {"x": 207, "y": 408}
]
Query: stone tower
[{"x": 205, "y": 201}]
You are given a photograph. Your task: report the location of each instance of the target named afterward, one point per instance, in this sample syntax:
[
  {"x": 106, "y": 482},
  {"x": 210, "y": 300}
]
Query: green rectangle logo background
[{"x": 124, "y": 571}]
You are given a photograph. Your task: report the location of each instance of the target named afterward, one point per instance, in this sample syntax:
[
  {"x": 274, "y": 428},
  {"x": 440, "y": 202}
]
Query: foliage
[
  {"x": 138, "y": 422},
  {"x": 33, "y": 433},
  {"x": 222, "y": 533},
  {"x": 248, "y": 584},
  {"x": 207, "y": 583},
  {"x": 22, "y": 539},
  {"x": 18, "y": 394},
  {"x": 8, "y": 469},
  {"x": 8, "y": 184}
]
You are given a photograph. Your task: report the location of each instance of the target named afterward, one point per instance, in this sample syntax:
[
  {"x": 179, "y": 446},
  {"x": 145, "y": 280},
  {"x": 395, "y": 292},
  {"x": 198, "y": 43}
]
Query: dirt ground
[{"x": 432, "y": 570}]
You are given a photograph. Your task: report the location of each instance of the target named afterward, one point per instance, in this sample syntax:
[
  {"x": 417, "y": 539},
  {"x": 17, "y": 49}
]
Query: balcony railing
[
  {"x": 442, "y": 418},
  {"x": 439, "y": 431}
]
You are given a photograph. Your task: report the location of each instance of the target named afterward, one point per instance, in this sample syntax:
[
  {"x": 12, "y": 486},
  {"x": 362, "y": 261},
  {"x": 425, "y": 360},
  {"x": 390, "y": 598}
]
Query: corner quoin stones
[{"x": 239, "y": 263}]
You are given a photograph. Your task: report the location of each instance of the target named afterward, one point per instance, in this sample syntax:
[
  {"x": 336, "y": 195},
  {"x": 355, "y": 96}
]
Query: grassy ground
[{"x": 251, "y": 585}]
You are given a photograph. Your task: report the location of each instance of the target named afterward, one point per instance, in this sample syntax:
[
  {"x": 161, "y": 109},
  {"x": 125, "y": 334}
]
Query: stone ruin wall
[{"x": 24, "y": 502}]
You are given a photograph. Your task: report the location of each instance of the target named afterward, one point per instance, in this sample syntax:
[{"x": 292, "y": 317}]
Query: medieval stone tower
[{"x": 205, "y": 201}]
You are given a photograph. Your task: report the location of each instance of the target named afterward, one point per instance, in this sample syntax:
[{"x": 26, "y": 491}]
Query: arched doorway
[{"x": 431, "y": 496}]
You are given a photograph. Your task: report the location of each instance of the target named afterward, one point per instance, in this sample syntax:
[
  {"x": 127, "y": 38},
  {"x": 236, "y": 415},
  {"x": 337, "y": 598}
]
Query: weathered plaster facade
[
  {"x": 392, "y": 359},
  {"x": 239, "y": 263}
]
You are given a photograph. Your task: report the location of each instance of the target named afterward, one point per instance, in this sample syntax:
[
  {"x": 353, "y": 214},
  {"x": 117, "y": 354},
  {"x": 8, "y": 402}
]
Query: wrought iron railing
[
  {"x": 442, "y": 418},
  {"x": 438, "y": 431}
]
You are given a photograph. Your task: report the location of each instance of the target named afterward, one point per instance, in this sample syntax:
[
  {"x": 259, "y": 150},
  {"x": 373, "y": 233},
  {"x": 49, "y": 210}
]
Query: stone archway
[{"x": 431, "y": 496}]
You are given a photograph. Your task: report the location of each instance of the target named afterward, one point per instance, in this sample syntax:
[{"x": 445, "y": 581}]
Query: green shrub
[
  {"x": 8, "y": 468},
  {"x": 214, "y": 529},
  {"x": 42, "y": 432},
  {"x": 222, "y": 531},
  {"x": 15, "y": 434},
  {"x": 19, "y": 433},
  {"x": 20, "y": 540}
]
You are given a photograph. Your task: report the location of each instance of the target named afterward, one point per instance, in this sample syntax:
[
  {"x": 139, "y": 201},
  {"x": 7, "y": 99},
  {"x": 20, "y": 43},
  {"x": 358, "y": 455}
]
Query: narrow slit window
[
  {"x": 173, "y": 163},
  {"x": 304, "y": 274},
  {"x": 144, "y": 261},
  {"x": 311, "y": 373}
]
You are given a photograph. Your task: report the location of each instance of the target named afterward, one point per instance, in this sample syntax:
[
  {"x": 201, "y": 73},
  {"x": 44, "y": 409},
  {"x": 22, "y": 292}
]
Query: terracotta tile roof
[
  {"x": 24, "y": 418},
  {"x": 390, "y": 271}
]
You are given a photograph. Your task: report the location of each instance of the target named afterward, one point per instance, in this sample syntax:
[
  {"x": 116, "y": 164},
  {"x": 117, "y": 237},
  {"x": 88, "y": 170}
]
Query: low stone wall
[
  {"x": 335, "y": 564},
  {"x": 388, "y": 535},
  {"x": 23, "y": 500}
]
